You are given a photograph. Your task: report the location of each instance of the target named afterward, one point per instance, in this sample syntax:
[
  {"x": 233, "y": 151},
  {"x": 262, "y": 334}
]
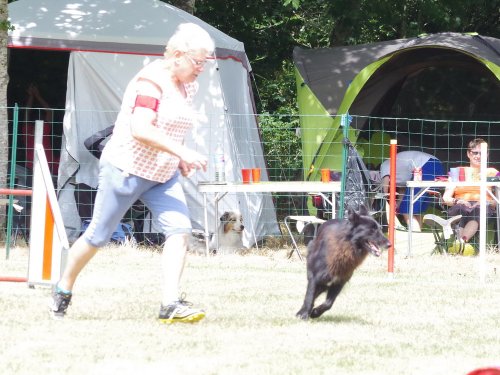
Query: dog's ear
[
  {"x": 363, "y": 211},
  {"x": 225, "y": 216},
  {"x": 352, "y": 216}
]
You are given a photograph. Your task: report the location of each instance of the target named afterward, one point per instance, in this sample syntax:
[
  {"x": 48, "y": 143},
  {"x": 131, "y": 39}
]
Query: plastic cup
[
  {"x": 469, "y": 174},
  {"x": 454, "y": 174},
  {"x": 325, "y": 175},
  {"x": 461, "y": 174},
  {"x": 246, "y": 175},
  {"x": 475, "y": 174},
  {"x": 256, "y": 175}
]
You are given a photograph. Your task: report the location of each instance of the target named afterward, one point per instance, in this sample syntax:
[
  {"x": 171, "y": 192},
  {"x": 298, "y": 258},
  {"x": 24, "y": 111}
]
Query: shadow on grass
[{"x": 332, "y": 318}]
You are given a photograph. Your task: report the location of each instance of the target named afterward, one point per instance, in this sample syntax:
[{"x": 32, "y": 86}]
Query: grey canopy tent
[{"x": 109, "y": 41}]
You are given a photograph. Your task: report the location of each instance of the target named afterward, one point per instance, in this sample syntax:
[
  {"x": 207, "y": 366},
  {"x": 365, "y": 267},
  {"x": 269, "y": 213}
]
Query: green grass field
[{"x": 433, "y": 317}]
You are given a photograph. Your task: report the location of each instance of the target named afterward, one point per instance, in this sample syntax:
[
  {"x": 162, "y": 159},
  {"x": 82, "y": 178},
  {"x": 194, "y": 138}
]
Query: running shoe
[
  {"x": 60, "y": 303},
  {"x": 180, "y": 311}
]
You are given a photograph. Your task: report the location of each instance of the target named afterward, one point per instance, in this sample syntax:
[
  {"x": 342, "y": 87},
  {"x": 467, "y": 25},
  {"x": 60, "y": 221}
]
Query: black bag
[{"x": 358, "y": 185}]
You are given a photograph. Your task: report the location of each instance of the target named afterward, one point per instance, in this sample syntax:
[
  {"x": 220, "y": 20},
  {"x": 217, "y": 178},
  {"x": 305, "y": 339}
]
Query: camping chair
[{"x": 443, "y": 228}]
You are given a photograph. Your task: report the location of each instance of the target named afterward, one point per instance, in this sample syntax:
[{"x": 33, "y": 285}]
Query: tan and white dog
[{"x": 229, "y": 234}]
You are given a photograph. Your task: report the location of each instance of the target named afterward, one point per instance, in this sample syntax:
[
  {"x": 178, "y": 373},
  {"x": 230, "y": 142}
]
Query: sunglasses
[{"x": 475, "y": 153}]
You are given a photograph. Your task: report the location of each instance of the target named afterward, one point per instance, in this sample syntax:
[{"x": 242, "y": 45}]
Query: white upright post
[{"x": 483, "y": 225}]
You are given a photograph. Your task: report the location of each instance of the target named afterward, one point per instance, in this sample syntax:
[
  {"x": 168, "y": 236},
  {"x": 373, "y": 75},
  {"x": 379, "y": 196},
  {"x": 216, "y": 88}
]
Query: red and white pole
[{"x": 392, "y": 205}]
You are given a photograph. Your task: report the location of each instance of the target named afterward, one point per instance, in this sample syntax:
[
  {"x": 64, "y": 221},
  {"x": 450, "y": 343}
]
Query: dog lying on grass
[{"x": 338, "y": 249}]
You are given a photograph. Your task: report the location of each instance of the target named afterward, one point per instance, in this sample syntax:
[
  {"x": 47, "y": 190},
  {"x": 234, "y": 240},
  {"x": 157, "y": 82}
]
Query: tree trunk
[
  {"x": 4, "y": 122},
  {"x": 185, "y": 5}
]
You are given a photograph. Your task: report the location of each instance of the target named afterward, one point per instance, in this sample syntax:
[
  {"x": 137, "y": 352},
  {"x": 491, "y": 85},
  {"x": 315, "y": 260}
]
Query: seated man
[
  {"x": 464, "y": 200},
  {"x": 406, "y": 162}
]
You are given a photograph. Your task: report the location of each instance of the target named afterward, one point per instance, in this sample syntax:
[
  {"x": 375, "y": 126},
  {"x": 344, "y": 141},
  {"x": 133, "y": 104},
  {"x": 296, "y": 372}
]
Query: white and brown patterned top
[{"x": 175, "y": 117}]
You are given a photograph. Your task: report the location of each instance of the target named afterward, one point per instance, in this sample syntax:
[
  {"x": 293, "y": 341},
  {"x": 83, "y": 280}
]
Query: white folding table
[{"x": 219, "y": 190}]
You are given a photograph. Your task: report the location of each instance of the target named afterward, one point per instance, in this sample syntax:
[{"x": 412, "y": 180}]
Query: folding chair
[
  {"x": 300, "y": 223},
  {"x": 442, "y": 229},
  {"x": 324, "y": 206}
]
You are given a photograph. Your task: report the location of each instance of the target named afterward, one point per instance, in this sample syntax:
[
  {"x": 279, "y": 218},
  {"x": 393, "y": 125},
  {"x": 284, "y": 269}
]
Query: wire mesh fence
[{"x": 291, "y": 147}]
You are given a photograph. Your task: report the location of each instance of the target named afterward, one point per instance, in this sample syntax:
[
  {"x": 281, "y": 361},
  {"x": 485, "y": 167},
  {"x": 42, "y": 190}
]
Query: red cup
[
  {"x": 246, "y": 175},
  {"x": 461, "y": 174},
  {"x": 256, "y": 175},
  {"x": 325, "y": 175}
]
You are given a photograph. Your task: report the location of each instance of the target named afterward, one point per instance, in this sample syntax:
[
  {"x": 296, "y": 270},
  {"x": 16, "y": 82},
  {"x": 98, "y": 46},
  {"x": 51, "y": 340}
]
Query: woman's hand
[{"x": 191, "y": 160}]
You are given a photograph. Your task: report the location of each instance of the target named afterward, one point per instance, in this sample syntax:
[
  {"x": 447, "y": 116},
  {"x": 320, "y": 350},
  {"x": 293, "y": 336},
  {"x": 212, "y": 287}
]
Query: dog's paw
[
  {"x": 302, "y": 315},
  {"x": 316, "y": 312}
]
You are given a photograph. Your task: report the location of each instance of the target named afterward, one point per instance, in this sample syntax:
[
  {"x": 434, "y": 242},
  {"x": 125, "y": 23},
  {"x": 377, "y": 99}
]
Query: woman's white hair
[{"x": 190, "y": 37}]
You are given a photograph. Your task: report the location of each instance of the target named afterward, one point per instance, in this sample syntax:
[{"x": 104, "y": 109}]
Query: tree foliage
[{"x": 270, "y": 29}]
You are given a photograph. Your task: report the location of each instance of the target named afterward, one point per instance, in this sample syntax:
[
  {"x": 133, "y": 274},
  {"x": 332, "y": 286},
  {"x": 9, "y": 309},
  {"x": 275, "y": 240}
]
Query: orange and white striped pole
[
  {"x": 48, "y": 240},
  {"x": 392, "y": 205}
]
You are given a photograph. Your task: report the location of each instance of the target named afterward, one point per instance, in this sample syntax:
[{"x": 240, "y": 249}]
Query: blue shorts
[
  {"x": 118, "y": 191},
  {"x": 430, "y": 170}
]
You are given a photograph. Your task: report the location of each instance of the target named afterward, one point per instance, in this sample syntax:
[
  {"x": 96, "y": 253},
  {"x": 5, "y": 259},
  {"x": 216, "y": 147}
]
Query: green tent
[{"x": 365, "y": 80}]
